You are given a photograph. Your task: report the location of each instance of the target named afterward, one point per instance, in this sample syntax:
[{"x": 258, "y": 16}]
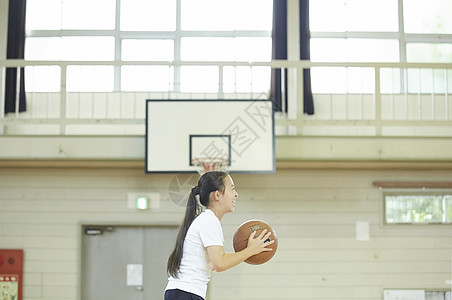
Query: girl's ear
[{"x": 217, "y": 195}]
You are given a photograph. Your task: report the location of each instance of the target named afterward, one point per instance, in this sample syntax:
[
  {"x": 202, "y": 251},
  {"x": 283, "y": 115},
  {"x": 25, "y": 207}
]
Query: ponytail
[
  {"x": 191, "y": 212},
  {"x": 209, "y": 182}
]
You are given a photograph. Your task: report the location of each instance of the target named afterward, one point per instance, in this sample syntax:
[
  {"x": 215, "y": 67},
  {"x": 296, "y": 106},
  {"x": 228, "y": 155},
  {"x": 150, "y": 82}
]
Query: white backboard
[{"x": 178, "y": 131}]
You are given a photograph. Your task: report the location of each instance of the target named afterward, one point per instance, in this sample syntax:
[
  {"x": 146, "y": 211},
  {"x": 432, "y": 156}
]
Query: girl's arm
[{"x": 222, "y": 261}]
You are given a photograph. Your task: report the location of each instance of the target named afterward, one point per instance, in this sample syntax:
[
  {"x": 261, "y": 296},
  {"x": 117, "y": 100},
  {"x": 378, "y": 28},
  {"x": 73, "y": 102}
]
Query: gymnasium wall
[{"x": 314, "y": 212}]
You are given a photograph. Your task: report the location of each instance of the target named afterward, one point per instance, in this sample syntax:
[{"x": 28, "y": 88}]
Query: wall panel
[{"x": 314, "y": 212}]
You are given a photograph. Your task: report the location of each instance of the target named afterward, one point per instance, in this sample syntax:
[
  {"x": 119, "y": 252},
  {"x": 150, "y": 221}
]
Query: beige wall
[{"x": 314, "y": 212}]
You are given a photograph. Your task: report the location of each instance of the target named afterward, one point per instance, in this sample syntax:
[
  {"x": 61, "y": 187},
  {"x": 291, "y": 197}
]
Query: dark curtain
[
  {"x": 15, "y": 50},
  {"x": 279, "y": 51},
  {"x": 305, "y": 53}
]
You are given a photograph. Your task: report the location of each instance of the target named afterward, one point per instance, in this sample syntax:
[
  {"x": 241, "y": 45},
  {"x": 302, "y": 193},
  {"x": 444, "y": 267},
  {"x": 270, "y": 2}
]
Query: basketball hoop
[{"x": 206, "y": 164}]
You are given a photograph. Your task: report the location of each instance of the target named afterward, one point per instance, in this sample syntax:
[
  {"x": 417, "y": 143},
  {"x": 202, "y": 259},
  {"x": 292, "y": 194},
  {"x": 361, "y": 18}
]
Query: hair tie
[{"x": 195, "y": 190}]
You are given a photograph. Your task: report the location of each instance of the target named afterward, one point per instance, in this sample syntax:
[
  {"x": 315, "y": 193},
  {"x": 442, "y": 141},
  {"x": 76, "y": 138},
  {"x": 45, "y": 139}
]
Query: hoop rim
[
  {"x": 210, "y": 163},
  {"x": 197, "y": 160}
]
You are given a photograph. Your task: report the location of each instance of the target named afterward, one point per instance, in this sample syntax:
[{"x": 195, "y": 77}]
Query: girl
[{"x": 199, "y": 244}]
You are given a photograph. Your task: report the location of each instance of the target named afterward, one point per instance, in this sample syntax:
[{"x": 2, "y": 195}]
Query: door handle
[{"x": 139, "y": 288}]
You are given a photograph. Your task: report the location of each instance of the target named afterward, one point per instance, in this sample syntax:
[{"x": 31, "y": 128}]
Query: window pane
[
  {"x": 70, "y": 48},
  {"x": 152, "y": 50},
  {"x": 70, "y": 14},
  {"x": 199, "y": 79},
  {"x": 424, "y": 52},
  {"x": 332, "y": 19},
  {"x": 321, "y": 50},
  {"x": 226, "y": 49},
  {"x": 207, "y": 49},
  {"x": 353, "y": 15},
  {"x": 43, "y": 14},
  {"x": 413, "y": 209},
  {"x": 372, "y": 15},
  {"x": 252, "y": 15},
  {"x": 341, "y": 80},
  {"x": 432, "y": 18},
  {"x": 246, "y": 79},
  {"x": 423, "y": 81},
  {"x": 146, "y": 78},
  {"x": 370, "y": 50},
  {"x": 261, "y": 80},
  {"x": 148, "y": 15},
  {"x": 390, "y": 80},
  {"x": 42, "y": 79},
  {"x": 226, "y": 15},
  {"x": 89, "y": 14},
  {"x": 354, "y": 50},
  {"x": 329, "y": 80},
  {"x": 253, "y": 49},
  {"x": 360, "y": 80},
  {"x": 43, "y": 48},
  {"x": 88, "y": 48},
  {"x": 448, "y": 200},
  {"x": 90, "y": 78}
]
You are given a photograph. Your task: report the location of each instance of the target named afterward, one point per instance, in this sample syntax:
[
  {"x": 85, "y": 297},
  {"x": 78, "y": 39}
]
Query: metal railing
[{"x": 350, "y": 99}]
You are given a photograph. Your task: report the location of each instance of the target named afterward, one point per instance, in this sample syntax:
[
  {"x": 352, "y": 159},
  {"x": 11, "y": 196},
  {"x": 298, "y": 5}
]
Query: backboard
[{"x": 180, "y": 132}]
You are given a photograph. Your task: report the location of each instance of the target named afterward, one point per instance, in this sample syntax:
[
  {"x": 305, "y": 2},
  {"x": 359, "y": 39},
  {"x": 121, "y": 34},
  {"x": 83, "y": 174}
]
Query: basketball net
[{"x": 206, "y": 164}]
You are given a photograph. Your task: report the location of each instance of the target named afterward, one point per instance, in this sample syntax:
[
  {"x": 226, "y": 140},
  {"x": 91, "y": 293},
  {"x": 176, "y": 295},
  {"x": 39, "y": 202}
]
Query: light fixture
[{"x": 142, "y": 203}]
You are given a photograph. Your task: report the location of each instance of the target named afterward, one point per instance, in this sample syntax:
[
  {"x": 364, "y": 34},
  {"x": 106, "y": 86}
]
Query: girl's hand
[{"x": 260, "y": 243}]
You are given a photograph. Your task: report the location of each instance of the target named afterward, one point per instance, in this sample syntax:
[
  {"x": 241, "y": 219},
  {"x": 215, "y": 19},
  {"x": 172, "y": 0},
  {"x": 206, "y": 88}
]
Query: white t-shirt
[{"x": 195, "y": 267}]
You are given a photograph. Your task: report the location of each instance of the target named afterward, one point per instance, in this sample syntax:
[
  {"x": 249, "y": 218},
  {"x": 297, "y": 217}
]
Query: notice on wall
[
  {"x": 134, "y": 275},
  {"x": 362, "y": 231},
  {"x": 9, "y": 287}
]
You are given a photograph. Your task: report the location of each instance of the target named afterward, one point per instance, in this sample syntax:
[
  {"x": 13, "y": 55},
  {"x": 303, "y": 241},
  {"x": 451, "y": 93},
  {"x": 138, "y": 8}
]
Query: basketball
[{"x": 240, "y": 240}]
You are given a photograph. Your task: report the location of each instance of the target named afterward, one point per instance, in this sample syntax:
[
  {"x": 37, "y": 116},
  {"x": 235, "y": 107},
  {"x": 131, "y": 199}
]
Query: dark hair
[{"x": 209, "y": 182}]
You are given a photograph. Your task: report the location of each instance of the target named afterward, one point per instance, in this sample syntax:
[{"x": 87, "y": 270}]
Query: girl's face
[{"x": 228, "y": 198}]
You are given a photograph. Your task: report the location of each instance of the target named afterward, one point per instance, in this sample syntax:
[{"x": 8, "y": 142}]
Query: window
[
  {"x": 418, "y": 208},
  {"x": 430, "y": 19},
  {"x": 150, "y": 30},
  {"x": 380, "y": 31}
]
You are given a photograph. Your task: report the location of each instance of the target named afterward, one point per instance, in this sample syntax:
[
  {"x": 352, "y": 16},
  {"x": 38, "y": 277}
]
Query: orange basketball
[{"x": 240, "y": 240}]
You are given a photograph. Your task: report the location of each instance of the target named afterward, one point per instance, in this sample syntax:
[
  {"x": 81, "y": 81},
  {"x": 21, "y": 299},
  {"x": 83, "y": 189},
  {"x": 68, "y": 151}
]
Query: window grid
[
  {"x": 401, "y": 36},
  {"x": 416, "y": 207},
  {"x": 175, "y": 36}
]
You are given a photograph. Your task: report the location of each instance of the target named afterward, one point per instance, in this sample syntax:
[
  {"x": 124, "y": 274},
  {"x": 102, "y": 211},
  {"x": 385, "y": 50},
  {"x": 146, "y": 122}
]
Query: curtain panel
[
  {"x": 279, "y": 51},
  {"x": 15, "y": 50},
  {"x": 305, "y": 53}
]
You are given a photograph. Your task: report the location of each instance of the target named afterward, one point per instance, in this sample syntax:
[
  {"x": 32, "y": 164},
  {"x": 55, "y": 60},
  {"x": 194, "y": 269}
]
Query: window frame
[
  {"x": 415, "y": 192},
  {"x": 401, "y": 36},
  {"x": 175, "y": 35}
]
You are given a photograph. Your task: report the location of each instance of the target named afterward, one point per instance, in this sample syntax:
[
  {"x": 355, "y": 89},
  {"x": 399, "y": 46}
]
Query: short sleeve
[{"x": 211, "y": 233}]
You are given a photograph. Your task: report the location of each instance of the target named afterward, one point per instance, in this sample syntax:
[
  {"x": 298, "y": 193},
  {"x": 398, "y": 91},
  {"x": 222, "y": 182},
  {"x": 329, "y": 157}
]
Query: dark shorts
[{"x": 181, "y": 295}]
